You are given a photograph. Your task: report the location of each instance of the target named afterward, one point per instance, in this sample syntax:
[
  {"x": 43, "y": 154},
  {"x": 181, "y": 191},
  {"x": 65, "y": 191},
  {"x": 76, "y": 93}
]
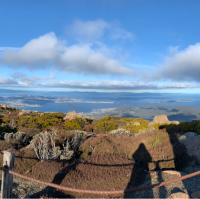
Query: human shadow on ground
[
  {"x": 142, "y": 158},
  {"x": 140, "y": 171}
]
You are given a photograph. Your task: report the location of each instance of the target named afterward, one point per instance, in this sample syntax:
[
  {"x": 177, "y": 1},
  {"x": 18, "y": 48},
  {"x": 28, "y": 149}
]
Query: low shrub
[
  {"x": 76, "y": 123},
  {"x": 34, "y": 121},
  {"x": 110, "y": 118},
  {"x": 142, "y": 128},
  {"x": 119, "y": 132},
  {"x": 105, "y": 126},
  {"x": 186, "y": 126}
]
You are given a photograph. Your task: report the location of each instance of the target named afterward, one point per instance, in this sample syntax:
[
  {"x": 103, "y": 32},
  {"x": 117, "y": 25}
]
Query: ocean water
[{"x": 87, "y": 101}]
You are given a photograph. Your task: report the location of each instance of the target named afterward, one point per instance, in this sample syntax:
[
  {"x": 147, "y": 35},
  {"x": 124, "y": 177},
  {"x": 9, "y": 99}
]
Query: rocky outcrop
[
  {"x": 136, "y": 123},
  {"x": 119, "y": 132},
  {"x": 72, "y": 115},
  {"x": 6, "y": 107},
  {"x": 162, "y": 119},
  {"x": 41, "y": 114},
  {"x": 24, "y": 112}
]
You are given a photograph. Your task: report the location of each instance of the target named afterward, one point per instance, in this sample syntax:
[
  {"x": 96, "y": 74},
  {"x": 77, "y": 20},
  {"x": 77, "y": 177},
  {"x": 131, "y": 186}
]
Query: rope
[{"x": 101, "y": 192}]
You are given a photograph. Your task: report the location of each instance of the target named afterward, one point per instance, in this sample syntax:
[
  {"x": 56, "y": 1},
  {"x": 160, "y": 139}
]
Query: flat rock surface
[{"x": 192, "y": 145}]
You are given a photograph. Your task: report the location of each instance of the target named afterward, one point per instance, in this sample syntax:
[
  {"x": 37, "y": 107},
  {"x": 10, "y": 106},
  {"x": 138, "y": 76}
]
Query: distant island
[{"x": 147, "y": 112}]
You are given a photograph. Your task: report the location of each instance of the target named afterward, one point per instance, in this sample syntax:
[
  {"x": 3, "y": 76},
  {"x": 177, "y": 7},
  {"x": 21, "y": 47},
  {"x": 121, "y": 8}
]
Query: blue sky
[{"x": 101, "y": 45}]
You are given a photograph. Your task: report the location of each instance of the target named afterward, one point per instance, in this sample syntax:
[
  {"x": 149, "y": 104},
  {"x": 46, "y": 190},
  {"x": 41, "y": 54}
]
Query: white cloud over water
[
  {"x": 7, "y": 81},
  {"x": 116, "y": 85},
  {"x": 181, "y": 65},
  {"x": 48, "y": 51}
]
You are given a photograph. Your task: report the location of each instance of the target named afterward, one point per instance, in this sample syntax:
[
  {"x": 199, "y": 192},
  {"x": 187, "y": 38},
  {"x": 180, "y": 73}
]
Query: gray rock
[
  {"x": 183, "y": 137},
  {"x": 67, "y": 156},
  {"x": 8, "y": 137},
  {"x": 190, "y": 134},
  {"x": 60, "y": 172},
  {"x": 120, "y": 131}
]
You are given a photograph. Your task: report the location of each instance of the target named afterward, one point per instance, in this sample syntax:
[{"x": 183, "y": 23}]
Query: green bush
[
  {"x": 76, "y": 123},
  {"x": 7, "y": 121},
  {"x": 143, "y": 125},
  {"x": 186, "y": 126},
  {"x": 49, "y": 120},
  {"x": 197, "y": 129},
  {"x": 105, "y": 126},
  {"x": 125, "y": 120},
  {"x": 110, "y": 118},
  {"x": 158, "y": 126}
]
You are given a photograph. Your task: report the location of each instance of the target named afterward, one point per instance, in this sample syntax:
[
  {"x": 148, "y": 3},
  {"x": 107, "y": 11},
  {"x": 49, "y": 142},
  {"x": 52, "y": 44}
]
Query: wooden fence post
[{"x": 7, "y": 178}]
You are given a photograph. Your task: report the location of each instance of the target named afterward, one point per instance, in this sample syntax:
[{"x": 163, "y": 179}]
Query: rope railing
[{"x": 100, "y": 192}]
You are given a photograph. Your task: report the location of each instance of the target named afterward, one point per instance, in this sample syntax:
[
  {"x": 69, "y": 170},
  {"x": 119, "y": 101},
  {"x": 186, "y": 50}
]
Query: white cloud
[
  {"x": 120, "y": 33},
  {"x": 182, "y": 66},
  {"x": 82, "y": 59},
  {"x": 88, "y": 30},
  {"x": 92, "y": 31},
  {"x": 116, "y": 85},
  {"x": 18, "y": 75},
  {"x": 48, "y": 50},
  {"x": 37, "y": 52},
  {"x": 173, "y": 50},
  {"x": 24, "y": 80},
  {"x": 99, "y": 85},
  {"x": 7, "y": 81}
]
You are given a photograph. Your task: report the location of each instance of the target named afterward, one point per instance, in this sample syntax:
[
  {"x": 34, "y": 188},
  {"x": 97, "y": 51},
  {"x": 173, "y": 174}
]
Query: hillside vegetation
[{"x": 110, "y": 146}]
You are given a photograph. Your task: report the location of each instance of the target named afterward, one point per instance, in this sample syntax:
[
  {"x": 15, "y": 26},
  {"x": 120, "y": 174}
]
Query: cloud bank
[
  {"x": 48, "y": 51},
  {"x": 181, "y": 65},
  {"x": 21, "y": 80},
  {"x": 7, "y": 81}
]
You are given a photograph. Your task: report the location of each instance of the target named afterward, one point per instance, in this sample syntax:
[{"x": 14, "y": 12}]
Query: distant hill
[{"x": 147, "y": 112}]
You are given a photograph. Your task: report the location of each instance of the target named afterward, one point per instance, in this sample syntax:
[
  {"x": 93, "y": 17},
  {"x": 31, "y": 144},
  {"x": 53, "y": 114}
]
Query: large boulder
[
  {"x": 162, "y": 119},
  {"x": 136, "y": 123},
  {"x": 4, "y": 106},
  {"x": 72, "y": 115},
  {"x": 24, "y": 112}
]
